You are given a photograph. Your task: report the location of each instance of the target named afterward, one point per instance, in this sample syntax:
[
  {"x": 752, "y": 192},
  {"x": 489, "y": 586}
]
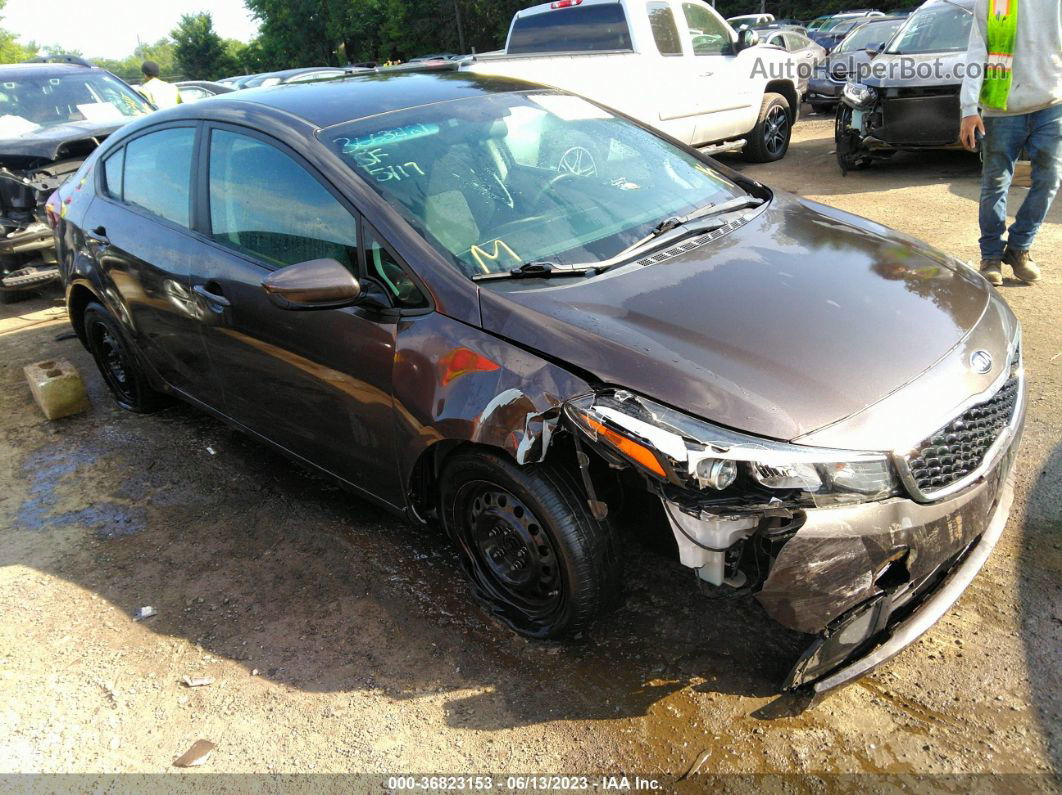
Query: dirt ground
[{"x": 341, "y": 640}]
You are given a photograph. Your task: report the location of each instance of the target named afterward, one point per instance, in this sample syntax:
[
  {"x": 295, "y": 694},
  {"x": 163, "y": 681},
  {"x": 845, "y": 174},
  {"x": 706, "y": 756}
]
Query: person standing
[
  {"x": 1014, "y": 75},
  {"x": 158, "y": 92}
]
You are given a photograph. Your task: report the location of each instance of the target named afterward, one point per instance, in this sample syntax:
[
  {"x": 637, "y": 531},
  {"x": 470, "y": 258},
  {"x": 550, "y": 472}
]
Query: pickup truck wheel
[
  {"x": 769, "y": 139},
  {"x": 537, "y": 559},
  {"x": 117, "y": 364}
]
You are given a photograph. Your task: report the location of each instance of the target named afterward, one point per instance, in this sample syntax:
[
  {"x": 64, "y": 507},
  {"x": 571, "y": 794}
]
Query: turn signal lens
[{"x": 638, "y": 453}]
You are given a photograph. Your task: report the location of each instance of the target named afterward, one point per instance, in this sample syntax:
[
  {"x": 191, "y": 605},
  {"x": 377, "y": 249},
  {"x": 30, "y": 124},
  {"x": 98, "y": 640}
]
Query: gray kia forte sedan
[{"x": 513, "y": 313}]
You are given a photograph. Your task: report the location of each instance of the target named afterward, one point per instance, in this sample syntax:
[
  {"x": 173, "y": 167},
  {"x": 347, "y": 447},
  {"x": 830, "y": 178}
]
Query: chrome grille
[{"x": 957, "y": 449}]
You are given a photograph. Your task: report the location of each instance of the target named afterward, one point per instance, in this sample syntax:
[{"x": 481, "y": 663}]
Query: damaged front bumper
[
  {"x": 864, "y": 573},
  {"x": 872, "y": 623}
]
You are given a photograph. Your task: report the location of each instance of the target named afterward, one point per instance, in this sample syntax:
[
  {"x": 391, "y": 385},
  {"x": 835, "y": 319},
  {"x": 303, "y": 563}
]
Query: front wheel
[
  {"x": 537, "y": 559},
  {"x": 769, "y": 139},
  {"x": 851, "y": 154}
]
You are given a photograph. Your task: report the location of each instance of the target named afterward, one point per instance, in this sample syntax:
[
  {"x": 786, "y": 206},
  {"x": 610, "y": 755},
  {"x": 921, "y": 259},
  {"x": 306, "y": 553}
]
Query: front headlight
[
  {"x": 859, "y": 95},
  {"x": 684, "y": 451}
]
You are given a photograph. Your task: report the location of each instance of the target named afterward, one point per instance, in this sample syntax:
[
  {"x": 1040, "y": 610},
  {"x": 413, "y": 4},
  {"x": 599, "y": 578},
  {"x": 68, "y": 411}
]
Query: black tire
[
  {"x": 851, "y": 156},
  {"x": 823, "y": 108},
  {"x": 769, "y": 139},
  {"x": 536, "y": 557},
  {"x": 117, "y": 364}
]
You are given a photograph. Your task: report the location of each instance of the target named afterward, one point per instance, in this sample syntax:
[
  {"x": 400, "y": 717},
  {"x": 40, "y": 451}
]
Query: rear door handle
[{"x": 211, "y": 297}]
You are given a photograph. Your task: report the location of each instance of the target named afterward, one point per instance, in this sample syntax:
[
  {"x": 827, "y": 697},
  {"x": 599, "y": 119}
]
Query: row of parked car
[{"x": 892, "y": 80}]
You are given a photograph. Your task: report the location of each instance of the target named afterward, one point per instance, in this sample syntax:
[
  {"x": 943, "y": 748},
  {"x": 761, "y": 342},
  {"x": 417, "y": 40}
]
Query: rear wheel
[
  {"x": 769, "y": 139},
  {"x": 117, "y": 364},
  {"x": 537, "y": 559}
]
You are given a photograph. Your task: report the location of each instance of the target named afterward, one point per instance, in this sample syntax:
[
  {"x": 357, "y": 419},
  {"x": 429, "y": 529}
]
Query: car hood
[
  {"x": 798, "y": 319},
  {"x": 47, "y": 142},
  {"x": 916, "y": 71}
]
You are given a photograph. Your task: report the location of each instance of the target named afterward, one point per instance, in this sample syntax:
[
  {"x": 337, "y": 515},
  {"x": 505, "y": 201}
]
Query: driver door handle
[{"x": 211, "y": 297}]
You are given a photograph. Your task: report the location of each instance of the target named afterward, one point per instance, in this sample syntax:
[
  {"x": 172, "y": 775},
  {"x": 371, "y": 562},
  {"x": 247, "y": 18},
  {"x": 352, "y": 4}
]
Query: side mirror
[
  {"x": 747, "y": 37},
  {"x": 315, "y": 284},
  {"x": 874, "y": 49}
]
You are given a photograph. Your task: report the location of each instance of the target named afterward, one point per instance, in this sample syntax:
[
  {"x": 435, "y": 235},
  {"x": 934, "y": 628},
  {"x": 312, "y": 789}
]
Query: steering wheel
[{"x": 550, "y": 185}]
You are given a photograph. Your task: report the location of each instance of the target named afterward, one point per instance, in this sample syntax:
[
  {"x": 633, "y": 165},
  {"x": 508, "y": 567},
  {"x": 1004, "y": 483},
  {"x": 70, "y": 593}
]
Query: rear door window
[
  {"x": 665, "y": 32},
  {"x": 112, "y": 173},
  {"x": 158, "y": 173},
  {"x": 597, "y": 27},
  {"x": 265, "y": 204}
]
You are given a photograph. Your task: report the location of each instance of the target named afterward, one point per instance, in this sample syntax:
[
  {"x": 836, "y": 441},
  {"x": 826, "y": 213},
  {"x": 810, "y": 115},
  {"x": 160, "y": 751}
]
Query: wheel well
[
  {"x": 80, "y": 297},
  {"x": 787, "y": 90},
  {"x": 424, "y": 476}
]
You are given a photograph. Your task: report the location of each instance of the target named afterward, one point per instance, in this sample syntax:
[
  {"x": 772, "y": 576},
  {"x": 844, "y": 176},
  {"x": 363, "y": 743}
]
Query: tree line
[{"x": 337, "y": 32}]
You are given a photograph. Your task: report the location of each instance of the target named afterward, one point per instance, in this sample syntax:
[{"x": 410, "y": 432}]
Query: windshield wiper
[
  {"x": 683, "y": 226},
  {"x": 673, "y": 228},
  {"x": 537, "y": 270}
]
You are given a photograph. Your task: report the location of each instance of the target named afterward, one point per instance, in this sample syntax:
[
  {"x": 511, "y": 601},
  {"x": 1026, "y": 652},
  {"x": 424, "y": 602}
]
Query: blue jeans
[{"x": 1040, "y": 135}]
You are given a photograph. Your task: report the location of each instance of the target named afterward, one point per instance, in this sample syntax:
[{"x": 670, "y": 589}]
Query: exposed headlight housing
[
  {"x": 683, "y": 451},
  {"x": 858, "y": 95}
]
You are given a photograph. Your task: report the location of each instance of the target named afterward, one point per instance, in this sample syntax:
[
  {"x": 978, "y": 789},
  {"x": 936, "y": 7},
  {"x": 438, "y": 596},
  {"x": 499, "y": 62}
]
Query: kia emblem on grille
[{"x": 981, "y": 361}]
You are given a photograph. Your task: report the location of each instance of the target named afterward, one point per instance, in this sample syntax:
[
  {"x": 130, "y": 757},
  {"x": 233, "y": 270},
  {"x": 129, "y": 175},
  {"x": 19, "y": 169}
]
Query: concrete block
[{"x": 57, "y": 387}]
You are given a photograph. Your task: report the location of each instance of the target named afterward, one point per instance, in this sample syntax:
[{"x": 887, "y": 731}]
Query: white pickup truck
[{"x": 673, "y": 64}]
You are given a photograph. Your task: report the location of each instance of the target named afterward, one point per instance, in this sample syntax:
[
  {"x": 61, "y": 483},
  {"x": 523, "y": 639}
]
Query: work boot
[
  {"x": 992, "y": 269},
  {"x": 1024, "y": 268}
]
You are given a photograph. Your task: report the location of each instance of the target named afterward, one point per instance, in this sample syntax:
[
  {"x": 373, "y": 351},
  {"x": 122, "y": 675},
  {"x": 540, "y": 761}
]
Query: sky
[{"x": 109, "y": 28}]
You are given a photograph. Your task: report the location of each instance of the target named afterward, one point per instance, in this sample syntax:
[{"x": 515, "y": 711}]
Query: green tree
[
  {"x": 200, "y": 52},
  {"x": 11, "y": 50}
]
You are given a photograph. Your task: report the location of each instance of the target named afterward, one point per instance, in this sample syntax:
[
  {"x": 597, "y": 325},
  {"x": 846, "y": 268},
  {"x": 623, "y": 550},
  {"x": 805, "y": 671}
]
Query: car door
[
  {"x": 139, "y": 231},
  {"x": 676, "y": 106},
  {"x": 723, "y": 94},
  {"x": 317, "y": 383},
  {"x": 806, "y": 56}
]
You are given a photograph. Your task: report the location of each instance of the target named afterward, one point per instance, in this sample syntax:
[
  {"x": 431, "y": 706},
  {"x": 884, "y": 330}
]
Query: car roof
[
  {"x": 13, "y": 71},
  {"x": 347, "y": 99}
]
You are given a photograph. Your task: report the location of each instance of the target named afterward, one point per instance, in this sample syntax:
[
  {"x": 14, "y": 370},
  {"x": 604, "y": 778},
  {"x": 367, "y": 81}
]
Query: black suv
[{"x": 54, "y": 112}]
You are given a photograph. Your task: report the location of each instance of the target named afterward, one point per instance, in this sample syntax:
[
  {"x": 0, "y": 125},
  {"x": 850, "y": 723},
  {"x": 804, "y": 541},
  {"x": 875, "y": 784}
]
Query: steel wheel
[
  {"x": 114, "y": 362},
  {"x": 117, "y": 363},
  {"x": 512, "y": 560}
]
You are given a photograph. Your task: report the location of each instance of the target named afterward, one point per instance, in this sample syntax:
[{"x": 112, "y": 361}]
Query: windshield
[
  {"x": 844, "y": 27},
  {"x": 874, "y": 34},
  {"x": 34, "y": 102},
  {"x": 497, "y": 181},
  {"x": 831, "y": 23},
  {"x": 942, "y": 28}
]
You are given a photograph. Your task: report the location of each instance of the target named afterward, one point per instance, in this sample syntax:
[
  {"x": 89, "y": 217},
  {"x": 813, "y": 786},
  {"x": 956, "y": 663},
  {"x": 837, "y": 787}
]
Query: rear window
[{"x": 596, "y": 27}]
